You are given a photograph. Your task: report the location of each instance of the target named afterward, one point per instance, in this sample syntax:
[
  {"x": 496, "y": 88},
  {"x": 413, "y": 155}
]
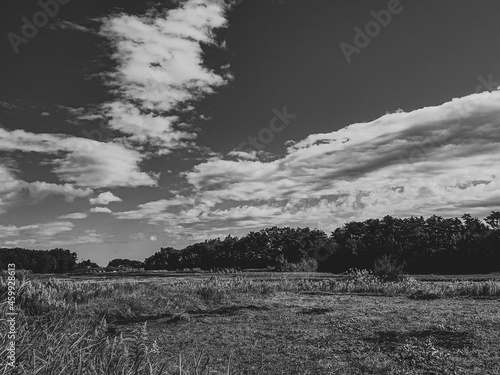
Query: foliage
[
  {"x": 305, "y": 265},
  {"x": 125, "y": 263},
  {"x": 87, "y": 264},
  {"x": 270, "y": 247},
  {"x": 388, "y": 268},
  {"x": 432, "y": 245},
  {"x": 39, "y": 261}
]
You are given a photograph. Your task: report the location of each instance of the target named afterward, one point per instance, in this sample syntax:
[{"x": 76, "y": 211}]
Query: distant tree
[
  {"x": 165, "y": 259},
  {"x": 432, "y": 245},
  {"x": 87, "y": 264},
  {"x": 126, "y": 263},
  {"x": 39, "y": 261}
]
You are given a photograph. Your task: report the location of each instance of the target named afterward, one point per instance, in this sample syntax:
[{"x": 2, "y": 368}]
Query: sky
[{"x": 127, "y": 126}]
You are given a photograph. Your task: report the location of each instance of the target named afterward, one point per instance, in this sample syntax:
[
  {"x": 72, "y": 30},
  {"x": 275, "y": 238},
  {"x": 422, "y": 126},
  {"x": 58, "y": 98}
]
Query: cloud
[
  {"x": 73, "y": 216},
  {"x": 36, "y": 230},
  {"x": 48, "y": 235},
  {"x": 160, "y": 70},
  {"x": 105, "y": 198},
  {"x": 435, "y": 160},
  {"x": 101, "y": 210},
  {"x": 108, "y": 165},
  {"x": 155, "y": 211},
  {"x": 89, "y": 237},
  {"x": 84, "y": 162},
  {"x": 11, "y": 189},
  {"x": 40, "y": 190},
  {"x": 67, "y": 25}
]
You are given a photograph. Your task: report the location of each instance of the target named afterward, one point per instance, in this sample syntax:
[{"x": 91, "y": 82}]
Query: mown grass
[{"x": 246, "y": 325}]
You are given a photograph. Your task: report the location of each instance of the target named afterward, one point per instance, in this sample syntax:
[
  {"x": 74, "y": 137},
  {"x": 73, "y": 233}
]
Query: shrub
[
  {"x": 305, "y": 265},
  {"x": 211, "y": 294},
  {"x": 388, "y": 268}
]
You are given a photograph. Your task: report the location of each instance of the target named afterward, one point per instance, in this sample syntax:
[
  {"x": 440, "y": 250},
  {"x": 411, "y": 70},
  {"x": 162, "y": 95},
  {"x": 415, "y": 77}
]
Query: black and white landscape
[{"x": 250, "y": 187}]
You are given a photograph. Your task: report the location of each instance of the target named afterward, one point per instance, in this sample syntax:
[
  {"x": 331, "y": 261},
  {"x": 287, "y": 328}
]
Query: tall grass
[{"x": 62, "y": 326}]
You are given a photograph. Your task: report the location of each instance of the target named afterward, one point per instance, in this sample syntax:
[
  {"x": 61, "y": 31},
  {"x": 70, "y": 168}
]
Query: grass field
[{"x": 256, "y": 324}]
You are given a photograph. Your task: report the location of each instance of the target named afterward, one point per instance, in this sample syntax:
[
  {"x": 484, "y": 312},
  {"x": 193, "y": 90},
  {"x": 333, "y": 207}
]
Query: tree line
[
  {"x": 432, "y": 245},
  {"x": 39, "y": 261}
]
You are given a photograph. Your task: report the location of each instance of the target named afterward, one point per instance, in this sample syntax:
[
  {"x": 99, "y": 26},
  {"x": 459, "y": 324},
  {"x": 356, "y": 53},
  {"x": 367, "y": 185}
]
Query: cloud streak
[
  {"x": 441, "y": 159},
  {"x": 84, "y": 162}
]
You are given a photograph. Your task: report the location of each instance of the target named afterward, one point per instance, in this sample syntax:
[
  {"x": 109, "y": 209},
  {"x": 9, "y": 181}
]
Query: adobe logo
[{"x": 30, "y": 28}]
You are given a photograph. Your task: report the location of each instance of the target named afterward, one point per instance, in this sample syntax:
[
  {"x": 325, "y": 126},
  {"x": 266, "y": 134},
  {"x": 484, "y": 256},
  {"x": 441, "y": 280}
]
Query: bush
[
  {"x": 211, "y": 294},
  {"x": 388, "y": 268},
  {"x": 305, "y": 265}
]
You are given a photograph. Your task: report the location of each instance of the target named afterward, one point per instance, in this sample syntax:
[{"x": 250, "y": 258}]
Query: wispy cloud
[
  {"x": 85, "y": 162},
  {"x": 47, "y": 235},
  {"x": 101, "y": 210},
  {"x": 36, "y": 230},
  {"x": 436, "y": 159},
  {"x": 74, "y": 216}
]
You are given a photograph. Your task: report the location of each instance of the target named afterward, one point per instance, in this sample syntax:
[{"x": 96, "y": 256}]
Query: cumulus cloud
[
  {"x": 100, "y": 210},
  {"x": 160, "y": 69},
  {"x": 441, "y": 159},
  {"x": 105, "y": 198}
]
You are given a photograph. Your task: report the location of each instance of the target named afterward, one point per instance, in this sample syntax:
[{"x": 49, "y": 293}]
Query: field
[{"x": 255, "y": 324}]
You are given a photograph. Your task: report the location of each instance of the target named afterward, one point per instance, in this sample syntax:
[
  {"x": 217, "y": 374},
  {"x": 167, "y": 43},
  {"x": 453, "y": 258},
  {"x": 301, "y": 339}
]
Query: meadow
[{"x": 254, "y": 323}]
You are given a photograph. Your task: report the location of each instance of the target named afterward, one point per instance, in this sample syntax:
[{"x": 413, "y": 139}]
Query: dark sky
[{"x": 168, "y": 89}]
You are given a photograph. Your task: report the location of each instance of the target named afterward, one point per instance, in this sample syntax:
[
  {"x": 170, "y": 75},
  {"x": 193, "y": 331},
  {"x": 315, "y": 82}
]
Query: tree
[
  {"x": 125, "y": 263},
  {"x": 87, "y": 264},
  {"x": 493, "y": 220}
]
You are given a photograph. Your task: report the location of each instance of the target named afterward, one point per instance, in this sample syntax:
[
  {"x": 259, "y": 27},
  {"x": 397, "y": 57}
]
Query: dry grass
[{"x": 247, "y": 325}]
